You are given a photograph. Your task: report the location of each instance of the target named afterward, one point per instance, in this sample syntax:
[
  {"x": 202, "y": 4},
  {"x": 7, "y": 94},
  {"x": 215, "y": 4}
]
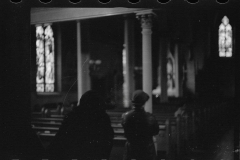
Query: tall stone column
[
  {"x": 146, "y": 23},
  {"x": 129, "y": 60},
  {"x": 85, "y": 73},
  {"x": 79, "y": 61},
  {"x": 86, "y": 80},
  {"x": 163, "y": 70},
  {"x": 176, "y": 69},
  {"x": 59, "y": 58},
  {"x": 181, "y": 69}
]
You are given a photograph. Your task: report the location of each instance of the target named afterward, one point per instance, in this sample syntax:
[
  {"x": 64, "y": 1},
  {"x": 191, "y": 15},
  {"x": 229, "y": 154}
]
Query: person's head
[
  {"x": 91, "y": 100},
  {"x": 139, "y": 98}
]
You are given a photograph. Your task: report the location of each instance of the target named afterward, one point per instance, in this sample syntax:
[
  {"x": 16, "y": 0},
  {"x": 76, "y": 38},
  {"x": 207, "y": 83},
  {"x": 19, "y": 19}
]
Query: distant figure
[
  {"x": 139, "y": 128},
  {"x": 185, "y": 110},
  {"x": 86, "y": 133},
  {"x": 181, "y": 111}
]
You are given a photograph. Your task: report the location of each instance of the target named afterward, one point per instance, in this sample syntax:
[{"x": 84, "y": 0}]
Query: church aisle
[
  {"x": 219, "y": 150},
  {"x": 224, "y": 149}
]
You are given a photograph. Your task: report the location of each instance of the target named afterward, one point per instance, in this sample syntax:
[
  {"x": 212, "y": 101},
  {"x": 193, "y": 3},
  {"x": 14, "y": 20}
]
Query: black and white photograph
[{"x": 120, "y": 80}]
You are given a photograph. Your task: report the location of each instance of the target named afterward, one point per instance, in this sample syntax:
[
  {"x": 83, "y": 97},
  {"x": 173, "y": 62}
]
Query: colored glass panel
[
  {"x": 49, "y": 56},
  {"x": 39, "y": 58},
  {"x": 49, "y": 87},
  {"x": 225, "y": 38},
  {"x": 40, "y": 87},
  {"x": 45, "y": 76}
]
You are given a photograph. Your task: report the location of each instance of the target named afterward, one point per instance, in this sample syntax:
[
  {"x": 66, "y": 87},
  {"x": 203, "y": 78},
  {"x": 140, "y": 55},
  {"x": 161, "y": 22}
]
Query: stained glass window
[
  {"x": 225, "y": 38},
  {"x": 45, "y": 76}
]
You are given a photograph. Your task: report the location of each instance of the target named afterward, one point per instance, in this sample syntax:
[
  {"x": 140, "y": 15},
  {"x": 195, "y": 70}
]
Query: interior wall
[
  {"x": 215, "y": 75},
  {"x": 97, "y": 43},
  {"x": 68, "y": 92},
  {"x": 199, "y": 68}
]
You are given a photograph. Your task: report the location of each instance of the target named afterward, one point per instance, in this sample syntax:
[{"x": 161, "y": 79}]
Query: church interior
[{"x": 184, "y": 58}]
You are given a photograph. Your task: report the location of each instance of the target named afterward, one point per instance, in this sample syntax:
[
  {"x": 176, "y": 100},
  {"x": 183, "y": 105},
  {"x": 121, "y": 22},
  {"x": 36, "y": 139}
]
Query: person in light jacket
[{"x": 139, "y": 129}]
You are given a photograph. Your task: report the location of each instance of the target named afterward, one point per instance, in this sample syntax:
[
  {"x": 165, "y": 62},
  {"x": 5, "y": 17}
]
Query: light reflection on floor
[{"x": 222, "y": 150}]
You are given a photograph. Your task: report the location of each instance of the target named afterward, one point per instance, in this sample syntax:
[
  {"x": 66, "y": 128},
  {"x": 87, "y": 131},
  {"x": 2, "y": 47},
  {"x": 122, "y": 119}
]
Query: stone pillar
[
  {"x": 86, "y": 80},
  {"x": 176, "y": 69},
  {"x": 79, "y": 61},
  {"x": 85, "y": 73},
  {"x": 163, "y": 70},
  {"x": 181, "y": 72},
  {"x": 59, "y": 58},
  {"x": 146, "y": 23},
  {"x": 129, "y": 61}
]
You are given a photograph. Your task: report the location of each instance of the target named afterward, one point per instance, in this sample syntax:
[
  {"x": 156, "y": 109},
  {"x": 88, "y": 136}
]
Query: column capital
[
  {"x": 78, "y": 21},
  {"x": 47, "y": 24},
  {"x": 146, "y": 18}
]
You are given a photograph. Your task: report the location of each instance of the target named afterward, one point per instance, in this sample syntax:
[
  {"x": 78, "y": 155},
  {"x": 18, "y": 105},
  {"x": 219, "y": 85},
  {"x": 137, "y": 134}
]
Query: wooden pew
[
  {"x": 52, "y": 120},
  {"x": 37, "y": 114},
  {"x": 46, "y": 124},
  {"x": 57, "y": 116},
  {"x": 48, "y": 127},
  {"x": 49, "y": 109},
  {"x": 184, "y": 127},
  {"x": 49, "y": 136},
  {"x": 51, "y": 129},
  {"x": 166, "y": 123}
]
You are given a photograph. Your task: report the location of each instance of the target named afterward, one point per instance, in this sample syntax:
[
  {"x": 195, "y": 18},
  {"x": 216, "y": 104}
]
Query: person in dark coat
[
  {"x": 20, "y": 142},
  {"x": 86, "y": 133},
  {"x": 139, "y": 129}
]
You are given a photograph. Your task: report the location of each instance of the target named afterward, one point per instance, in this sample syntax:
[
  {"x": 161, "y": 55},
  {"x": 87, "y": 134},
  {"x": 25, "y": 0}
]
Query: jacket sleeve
[
  {"x": 154, "y": 125},
  {"x": 123, "y": 119}
]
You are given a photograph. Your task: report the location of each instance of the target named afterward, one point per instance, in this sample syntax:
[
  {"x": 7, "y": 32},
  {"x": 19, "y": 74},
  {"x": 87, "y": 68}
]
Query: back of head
[
  {"x": 139, "y": 98},
  {"x": 91, "y": 100}
]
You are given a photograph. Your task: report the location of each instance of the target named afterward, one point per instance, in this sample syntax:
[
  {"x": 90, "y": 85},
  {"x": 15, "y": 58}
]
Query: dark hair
[
  {"x": 139, "y": 98},
  {"x": 91, "y": 100}
]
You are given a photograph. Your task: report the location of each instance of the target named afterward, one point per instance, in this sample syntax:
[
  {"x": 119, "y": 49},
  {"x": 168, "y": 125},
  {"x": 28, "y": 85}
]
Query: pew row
[{"x": 175, "y": 134}]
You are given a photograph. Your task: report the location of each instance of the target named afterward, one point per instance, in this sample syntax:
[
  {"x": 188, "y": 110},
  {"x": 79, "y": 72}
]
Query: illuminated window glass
[
  {"x": 225, "y": 38},
  {"x": 45, "y": 76}
]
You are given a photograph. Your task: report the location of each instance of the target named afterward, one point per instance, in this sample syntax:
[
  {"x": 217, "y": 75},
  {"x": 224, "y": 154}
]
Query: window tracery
[
  {"x": 45, "y": 76},
  {"x": 225, "y": 38}
]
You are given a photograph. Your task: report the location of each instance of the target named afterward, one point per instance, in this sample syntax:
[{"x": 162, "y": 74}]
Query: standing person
[
  {"x": 139, "y": 129},
  {"x": 86, "y": 133}
]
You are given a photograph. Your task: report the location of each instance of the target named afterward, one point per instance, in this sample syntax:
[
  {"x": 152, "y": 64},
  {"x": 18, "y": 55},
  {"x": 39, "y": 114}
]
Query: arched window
[
  {"x": 45, "y": 77},
  {"x": 225, "y": 38}
]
